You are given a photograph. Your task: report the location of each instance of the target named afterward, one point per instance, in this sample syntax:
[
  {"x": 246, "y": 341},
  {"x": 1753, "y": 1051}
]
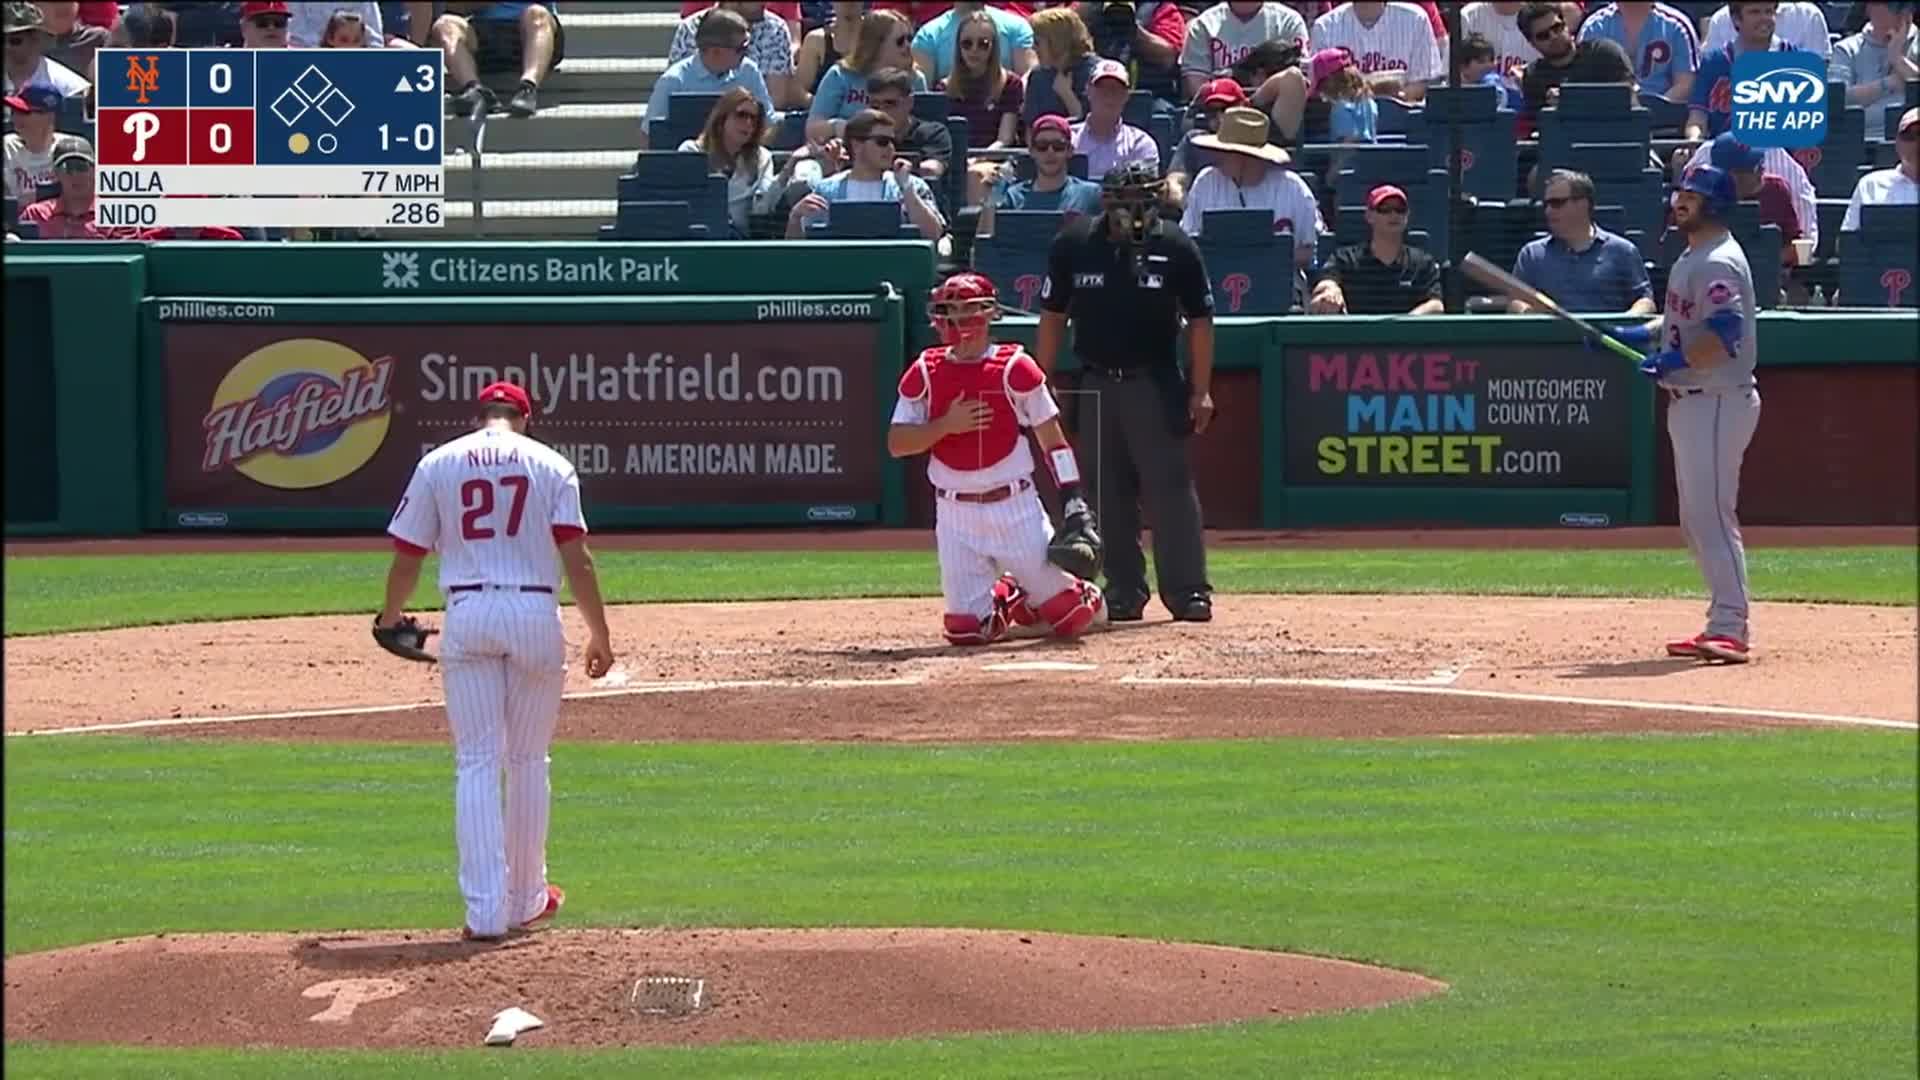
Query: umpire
[{"x": 1125, "y": 278}]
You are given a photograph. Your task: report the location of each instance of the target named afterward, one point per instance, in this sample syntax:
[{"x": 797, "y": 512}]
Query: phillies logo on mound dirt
[{"x": 299, "y": 413}]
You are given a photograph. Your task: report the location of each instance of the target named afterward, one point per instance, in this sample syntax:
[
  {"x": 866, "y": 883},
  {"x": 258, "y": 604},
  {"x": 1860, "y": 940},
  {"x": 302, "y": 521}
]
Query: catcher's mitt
[
  {"x": 1076, "y": 547},
  {"x": 406, "y": 639}
]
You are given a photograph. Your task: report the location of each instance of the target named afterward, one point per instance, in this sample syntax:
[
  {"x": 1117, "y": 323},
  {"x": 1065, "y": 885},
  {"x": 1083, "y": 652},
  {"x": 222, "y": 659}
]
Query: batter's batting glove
[
  {"x": 1076, "y": 548},
  {"x": 1657, "y": 365},
  {"x": 406, "y": 639}
]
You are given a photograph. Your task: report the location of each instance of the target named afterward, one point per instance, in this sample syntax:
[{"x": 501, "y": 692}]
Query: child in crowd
[{"x": 1352, "y": 114}]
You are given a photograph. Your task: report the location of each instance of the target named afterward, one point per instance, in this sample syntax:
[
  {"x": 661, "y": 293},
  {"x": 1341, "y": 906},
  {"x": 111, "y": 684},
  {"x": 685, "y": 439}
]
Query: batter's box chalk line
[{"x": 667, "y": 995}]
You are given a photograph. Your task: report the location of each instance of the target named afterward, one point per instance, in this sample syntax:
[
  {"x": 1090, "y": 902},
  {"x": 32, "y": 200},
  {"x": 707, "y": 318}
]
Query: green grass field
[
  {"x": 1742, "y": 905},
  {"x": 51, "y": 594}
]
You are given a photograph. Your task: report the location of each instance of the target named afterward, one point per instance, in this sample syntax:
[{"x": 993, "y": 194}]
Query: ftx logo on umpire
[{"x": 1780, "y": 99}]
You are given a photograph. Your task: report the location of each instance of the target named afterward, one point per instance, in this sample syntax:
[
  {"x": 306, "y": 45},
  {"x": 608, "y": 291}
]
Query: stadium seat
[
  {"x": 1878, "y": 264},
  {"x": 1622, "y": 176},
  {"x": 1667, "y": 117},
  {"x": 1459, "y": 104},
  {"x": 1256, "y": 278},
  {"x": 931, "y": 106},
  {"x": 686, "y": 117},
  {"x": 1496, "y": 231},
  {"x": 670, "y": 176},
  {"x": 1405, "y": 167},
  {"x": 863, "y": 221},
  {"x": 72, "y": 118},
  {"x": 1831, "y": 213},
  {"x": 656, "y": 220},
  {"x": 1489, "y": 158},
  {"x": 1592, "y": 112},
  {"x": 9, "y": 212},
  {"x": 1395, "y": 116},
  {"x": 1165, "y": 129},
  {"x": 1014, "y": 258},
  {"x": 1238, "y": 228},
  {"x": 1891, "y": 122},
  {"x": 790, "y": 133}
]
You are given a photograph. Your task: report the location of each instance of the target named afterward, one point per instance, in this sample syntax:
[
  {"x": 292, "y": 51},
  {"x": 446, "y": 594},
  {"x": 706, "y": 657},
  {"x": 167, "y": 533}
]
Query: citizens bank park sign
[{"x": 287, "y": 416}]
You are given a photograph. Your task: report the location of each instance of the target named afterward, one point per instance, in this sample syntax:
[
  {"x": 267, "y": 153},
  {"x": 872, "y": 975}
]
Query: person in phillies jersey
[
  {"x": 964, "y": 403},
  {"x": 1393, "y": 44},
  {"x": 1660, "y": 41},
  {"x": 502, "y": 510}
]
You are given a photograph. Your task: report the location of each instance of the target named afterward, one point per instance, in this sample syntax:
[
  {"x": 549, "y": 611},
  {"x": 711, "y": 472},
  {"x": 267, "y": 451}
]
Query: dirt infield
[{"x": 877, "y": 671}]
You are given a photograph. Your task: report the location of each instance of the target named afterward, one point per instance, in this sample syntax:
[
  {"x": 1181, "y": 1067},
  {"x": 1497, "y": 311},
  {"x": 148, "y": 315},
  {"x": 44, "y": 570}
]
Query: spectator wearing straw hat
[
  {"x": 27, "y": 63},
  {"x": 1249, "y": 173}
]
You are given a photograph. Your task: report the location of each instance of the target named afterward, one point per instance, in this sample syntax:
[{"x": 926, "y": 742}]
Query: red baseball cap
[
  {"x": 1222, "y": 92},
  {"x": 1051, "y": 122},
  {"x": 1383, "y": 193},
  {"x": 506, "y": 393},
  {"x": 35, "y": 99},
  {"x": 263, "y": 7}
]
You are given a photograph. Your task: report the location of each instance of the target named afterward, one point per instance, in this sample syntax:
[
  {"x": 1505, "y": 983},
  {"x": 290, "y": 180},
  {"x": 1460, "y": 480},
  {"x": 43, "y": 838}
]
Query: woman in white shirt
[{"x": 731, "y": 141}]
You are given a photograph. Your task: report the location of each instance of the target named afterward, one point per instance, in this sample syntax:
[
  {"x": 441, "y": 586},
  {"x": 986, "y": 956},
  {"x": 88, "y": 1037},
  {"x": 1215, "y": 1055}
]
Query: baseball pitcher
[
  {"x": 1705, "y": 364},
  {"x": 964, "y": 403},
  {"x": 502, "y": 510}
]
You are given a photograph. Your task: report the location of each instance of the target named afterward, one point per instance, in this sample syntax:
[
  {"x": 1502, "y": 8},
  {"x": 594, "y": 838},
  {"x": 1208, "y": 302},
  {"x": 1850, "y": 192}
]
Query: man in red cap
[
  {"x": 503, "y": 511},
  {"x": 33, "y": 143},
  {"x": 263, "y": 24},
  {"x": 1050, "y": 143},
  {"x": 1384, "y": 276}
]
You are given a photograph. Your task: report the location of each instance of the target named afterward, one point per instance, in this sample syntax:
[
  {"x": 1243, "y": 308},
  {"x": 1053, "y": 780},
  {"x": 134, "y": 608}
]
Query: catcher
[{"x": 965, "y": 403}]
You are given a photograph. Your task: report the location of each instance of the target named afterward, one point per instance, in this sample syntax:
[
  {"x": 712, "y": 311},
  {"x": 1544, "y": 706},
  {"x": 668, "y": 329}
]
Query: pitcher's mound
[{"x": 625, "y": 987}]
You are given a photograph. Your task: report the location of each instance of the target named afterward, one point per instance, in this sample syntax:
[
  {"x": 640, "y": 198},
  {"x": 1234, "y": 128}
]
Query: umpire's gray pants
[{"x": 1131, "y": 434}]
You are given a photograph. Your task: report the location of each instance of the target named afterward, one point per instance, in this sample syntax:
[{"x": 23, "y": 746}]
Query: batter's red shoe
[
  {"x": 1720, "y": 647},
  {"x": 1686, "y": 647},
  {"x": 556, "y": 898}
]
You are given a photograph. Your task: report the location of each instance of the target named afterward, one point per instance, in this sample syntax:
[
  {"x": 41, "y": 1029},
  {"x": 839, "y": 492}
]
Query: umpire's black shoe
[
  {"x": 1126, "y": 608},
  {"x": 1193, "y": 609}
]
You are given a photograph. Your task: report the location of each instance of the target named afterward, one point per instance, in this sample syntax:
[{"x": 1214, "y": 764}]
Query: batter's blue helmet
[{"x": 1712, "y": 184}]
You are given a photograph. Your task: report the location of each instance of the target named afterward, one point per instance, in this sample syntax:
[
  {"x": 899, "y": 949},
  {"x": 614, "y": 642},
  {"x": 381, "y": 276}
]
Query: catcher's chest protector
[{"x": 982, "y": 380}]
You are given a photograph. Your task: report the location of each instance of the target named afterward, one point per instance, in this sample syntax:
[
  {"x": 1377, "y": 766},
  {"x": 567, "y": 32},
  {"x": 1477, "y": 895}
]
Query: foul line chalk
[
  {"x": 1388, "y": 686},
  {"x": 688, "y": 687}
]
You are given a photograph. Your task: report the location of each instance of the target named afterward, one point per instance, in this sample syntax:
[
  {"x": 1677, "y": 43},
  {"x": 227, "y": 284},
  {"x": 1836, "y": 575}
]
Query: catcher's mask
[
  {"x": 1130, "y": 202},
  {"x": 962, "y": 308}
]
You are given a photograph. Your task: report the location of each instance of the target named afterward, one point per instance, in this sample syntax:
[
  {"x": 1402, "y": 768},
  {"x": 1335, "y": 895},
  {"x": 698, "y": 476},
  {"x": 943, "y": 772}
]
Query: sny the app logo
[
  {"x": 143, "y": 82},
  {"x": 1780, "y": 99}
]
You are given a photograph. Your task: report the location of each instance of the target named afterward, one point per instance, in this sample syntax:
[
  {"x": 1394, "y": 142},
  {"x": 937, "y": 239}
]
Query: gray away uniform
[{"x": 1711, "y": 419}]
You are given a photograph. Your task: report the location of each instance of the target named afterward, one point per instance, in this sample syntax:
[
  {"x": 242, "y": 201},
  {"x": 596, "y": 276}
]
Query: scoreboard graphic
[{"x": 274, "y": 138}]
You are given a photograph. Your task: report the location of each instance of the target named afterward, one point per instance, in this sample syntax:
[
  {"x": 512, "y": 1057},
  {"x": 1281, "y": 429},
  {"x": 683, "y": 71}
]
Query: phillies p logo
[
  {"x": 1028, "y": 286},
  {"x": 1236, "y": 286},
  {"x": 1895, "y": 281}
]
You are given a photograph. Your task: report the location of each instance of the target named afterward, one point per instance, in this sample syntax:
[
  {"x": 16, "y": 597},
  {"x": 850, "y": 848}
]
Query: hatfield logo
[
  {"x": 299, "y": 414},
  {"x": 1780, "y": 99},
  {"x": 400, "y": 270}
]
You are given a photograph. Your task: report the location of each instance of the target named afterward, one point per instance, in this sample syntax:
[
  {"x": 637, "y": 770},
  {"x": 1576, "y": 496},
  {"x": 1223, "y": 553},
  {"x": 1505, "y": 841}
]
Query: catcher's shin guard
[
  {"x": 1076, "y": 609},
  {"x": 1011, "y": 601},
  {"x": 972, "y": 630}
]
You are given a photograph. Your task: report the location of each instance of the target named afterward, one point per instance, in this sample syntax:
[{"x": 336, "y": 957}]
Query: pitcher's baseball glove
[
  {"x": 406, "y": 639},
  {"x": 1076, "y": 548}
]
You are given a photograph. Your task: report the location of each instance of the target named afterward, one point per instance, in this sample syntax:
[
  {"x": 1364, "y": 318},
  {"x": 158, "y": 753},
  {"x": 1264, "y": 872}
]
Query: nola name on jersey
[{"x": 1004, "y": 372}]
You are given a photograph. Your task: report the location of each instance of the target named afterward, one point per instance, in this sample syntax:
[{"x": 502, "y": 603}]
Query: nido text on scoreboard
[{"x": 271, "y": 138}]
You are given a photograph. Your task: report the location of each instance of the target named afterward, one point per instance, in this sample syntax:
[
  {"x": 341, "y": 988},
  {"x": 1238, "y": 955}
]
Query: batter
[
  {"x": 965, "y": 402},
  {"x": 502, "y": 510},
  {"x": 1705, "y": 364}
]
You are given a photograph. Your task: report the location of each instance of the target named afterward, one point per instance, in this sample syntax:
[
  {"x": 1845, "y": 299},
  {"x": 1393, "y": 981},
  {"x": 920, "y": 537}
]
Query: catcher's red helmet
[{"x": 962, "y": 307}]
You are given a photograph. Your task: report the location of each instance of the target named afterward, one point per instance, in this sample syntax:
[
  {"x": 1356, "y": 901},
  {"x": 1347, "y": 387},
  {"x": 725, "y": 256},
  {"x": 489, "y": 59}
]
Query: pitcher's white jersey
[{"x": 496, "y": 505}]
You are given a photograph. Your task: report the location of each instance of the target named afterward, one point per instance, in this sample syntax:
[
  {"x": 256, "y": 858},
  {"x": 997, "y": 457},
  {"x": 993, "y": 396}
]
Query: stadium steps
[
  {"x": 537, "y": 174},
  {"x": 554, "y": 174},
  {"x": 530, "y": 219}
]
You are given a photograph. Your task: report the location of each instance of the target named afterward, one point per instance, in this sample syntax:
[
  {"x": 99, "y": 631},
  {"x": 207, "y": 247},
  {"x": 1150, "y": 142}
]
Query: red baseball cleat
[
  {"x": 556, "y": 897},
  {"x": 1686, "y": 647},
  {"x": 1720, "y": 647}
]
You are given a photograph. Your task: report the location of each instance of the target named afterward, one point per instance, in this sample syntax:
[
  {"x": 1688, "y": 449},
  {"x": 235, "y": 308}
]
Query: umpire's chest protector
[{"x": 1004, "y": 370}]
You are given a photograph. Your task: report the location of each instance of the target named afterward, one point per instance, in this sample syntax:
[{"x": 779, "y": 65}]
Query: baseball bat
[{"x": 1493, "y": 277}]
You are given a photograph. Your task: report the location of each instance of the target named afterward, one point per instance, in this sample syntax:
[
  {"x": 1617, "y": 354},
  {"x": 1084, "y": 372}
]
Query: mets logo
[
  {"x": 299, "y": 413},
  {"x": 1236, "y": 286},
  {"x": 1895, "y": 281},
  {"x": 143, "y": 82},
  {"x": 1028, "y": 286}
]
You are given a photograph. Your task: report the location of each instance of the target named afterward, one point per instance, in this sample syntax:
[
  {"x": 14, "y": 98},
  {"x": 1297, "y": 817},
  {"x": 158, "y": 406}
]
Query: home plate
[{"x": 1039, "y": 665}]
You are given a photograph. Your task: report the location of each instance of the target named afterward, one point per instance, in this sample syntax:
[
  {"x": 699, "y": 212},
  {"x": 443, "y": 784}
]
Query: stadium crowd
[{"x": 981, "y": 127}]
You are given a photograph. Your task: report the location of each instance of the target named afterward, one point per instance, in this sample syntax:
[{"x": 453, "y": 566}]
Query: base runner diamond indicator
[{"x": 288, "y": 107}]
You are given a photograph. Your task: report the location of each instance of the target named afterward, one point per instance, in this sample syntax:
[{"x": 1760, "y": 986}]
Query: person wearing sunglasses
[
  {"x": 1052, "y": 188},
  {"x": 1596, "y": 60},
  {"x": 719, "y": 62},
  {"x": 884, "y": 43},
  {"x": 264, "y": 24},
  {"x": 732, "y": 142},
  {"x": 69, "y": 215},
  {"x": 27, "y": 62},
  {"x": 1384, "y": 276},
  {"x": 875, "y": 173},
  {"x": 1582, "y": 266},
  {"x": 769, "y": 46},
  {"x": 933, "y": 43}
]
